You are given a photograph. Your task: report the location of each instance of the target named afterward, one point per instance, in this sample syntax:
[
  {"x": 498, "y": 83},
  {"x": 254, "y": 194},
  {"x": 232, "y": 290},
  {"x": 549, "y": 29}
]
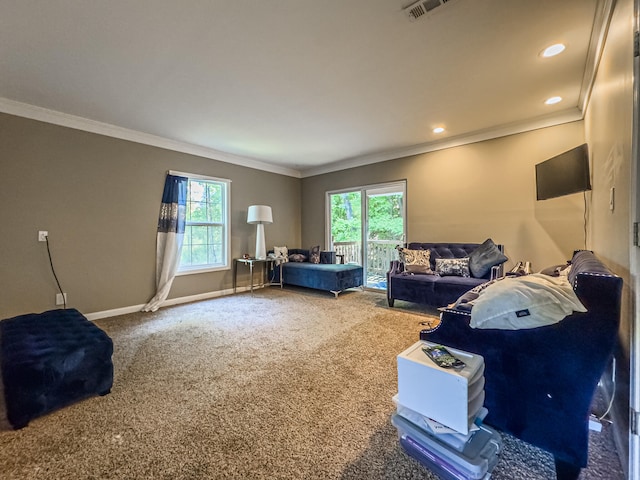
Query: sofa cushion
[
  {"x": 447, "y": 289},
  {"x": 457, "y": 267},
  {"x": 416, "y": 261},
  {"x": 484, "y": 257},
  {"x": 529, "y": 301}
]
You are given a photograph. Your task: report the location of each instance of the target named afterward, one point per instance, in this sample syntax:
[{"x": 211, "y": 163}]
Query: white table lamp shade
[{"x": 260, "y": 214}]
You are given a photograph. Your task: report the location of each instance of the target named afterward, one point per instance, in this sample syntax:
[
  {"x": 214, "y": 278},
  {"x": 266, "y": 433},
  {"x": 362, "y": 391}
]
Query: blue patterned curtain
[{"x": 171, "y": 222}]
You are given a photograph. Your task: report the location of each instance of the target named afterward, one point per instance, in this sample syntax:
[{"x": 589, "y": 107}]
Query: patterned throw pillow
[
  {"x": 281, "y": 253},
  {"x": 454, "y": 267},
  {"x": 297, "y": 257},
  {"x": 416, "y": 261},
  {"x": 314, "y": 254}
]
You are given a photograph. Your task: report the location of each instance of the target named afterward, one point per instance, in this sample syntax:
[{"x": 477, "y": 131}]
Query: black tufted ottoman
[{"x": 49, "y": 360}]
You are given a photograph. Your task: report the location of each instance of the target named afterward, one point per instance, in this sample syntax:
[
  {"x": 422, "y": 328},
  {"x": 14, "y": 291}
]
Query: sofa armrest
[{"x": 395, "y": 267}]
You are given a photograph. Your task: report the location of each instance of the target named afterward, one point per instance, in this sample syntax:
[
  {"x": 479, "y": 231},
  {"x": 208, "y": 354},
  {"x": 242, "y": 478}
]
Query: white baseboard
[
  {"x": 171, "y": 301},
  {"x": 113, "y": 313}
]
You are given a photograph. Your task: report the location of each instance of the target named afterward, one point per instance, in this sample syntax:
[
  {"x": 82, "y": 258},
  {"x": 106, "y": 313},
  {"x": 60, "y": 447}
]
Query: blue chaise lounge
[{"x": 326, "y": 275}]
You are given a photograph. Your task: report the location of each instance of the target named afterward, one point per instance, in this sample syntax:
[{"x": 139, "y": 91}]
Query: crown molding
[
  {"x": 599, "y": 32},
  {"x": 565, "y": 116},
  {"x": 33, "y": 112}
]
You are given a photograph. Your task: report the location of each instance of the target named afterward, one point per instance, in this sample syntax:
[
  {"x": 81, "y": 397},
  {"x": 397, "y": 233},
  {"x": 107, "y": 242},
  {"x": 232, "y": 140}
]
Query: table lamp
[{"x": 260, "y": 214}]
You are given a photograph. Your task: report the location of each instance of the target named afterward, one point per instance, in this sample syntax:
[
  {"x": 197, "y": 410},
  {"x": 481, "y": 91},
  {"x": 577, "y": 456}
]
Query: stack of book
[{"x": 439, "y": 412}]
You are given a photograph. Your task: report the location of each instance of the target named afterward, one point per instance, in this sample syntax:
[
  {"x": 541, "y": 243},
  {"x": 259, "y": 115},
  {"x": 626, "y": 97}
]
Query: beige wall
[
  {"x": 99, "y": 199},
  {"x": 472, "y": 192},
  {"x": 609, "y": 130},
  {"x": 608, "y": 123}
]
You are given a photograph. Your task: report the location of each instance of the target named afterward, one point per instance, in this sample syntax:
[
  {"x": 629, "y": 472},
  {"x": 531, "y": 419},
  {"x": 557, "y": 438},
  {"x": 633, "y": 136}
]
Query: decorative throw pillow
[
  {"x": 297, "y": 257},
  {"x": 281, "y": 252},
  {"x": 484, "y": 257},
  {"x": 453, "y": 267},
  {"x": 415, "y": 261},
  {"x": 314, "y": 254}
]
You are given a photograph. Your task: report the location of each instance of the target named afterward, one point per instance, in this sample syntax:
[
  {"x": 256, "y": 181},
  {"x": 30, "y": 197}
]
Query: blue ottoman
[{"x": 49, "y": 360}]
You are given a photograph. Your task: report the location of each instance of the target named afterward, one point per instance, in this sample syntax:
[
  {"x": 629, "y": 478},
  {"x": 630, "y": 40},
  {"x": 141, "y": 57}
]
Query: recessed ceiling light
[
  {"x": 438, "y": 130},
  {"x": 553, "y": 100},
  {"x": 553, "y": 50}
]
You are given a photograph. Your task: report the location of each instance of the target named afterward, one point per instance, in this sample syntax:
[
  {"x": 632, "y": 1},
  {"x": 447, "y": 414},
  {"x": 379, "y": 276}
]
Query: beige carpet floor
[{"x": 282, "y": 384}]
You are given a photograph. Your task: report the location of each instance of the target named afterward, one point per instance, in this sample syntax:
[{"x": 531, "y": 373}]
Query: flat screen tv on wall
[{"x": 564, "y": 174}]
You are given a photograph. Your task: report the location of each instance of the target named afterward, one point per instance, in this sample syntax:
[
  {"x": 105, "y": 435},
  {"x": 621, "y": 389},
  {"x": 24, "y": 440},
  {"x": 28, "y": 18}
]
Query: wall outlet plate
[
  {"x": 42, "y": 235},
  {"x": 594, "y": 423},
  {"x": 612, "y": 198},
  {"x": 60, "y": 300}
]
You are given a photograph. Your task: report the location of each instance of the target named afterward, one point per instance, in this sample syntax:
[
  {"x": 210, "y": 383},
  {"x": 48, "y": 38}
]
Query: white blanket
[{"x": 529, "y": 301}]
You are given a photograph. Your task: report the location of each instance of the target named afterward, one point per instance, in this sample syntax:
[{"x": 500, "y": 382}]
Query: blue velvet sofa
[
  {"x": 540, "y": 382},
  {"x": 435, "y": 290},
  {"x": 326, "y": 275}
]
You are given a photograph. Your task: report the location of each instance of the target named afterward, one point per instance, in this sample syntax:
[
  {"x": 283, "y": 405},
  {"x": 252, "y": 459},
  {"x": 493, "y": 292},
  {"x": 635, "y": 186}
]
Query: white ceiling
[{"x": 296, "y": 86}]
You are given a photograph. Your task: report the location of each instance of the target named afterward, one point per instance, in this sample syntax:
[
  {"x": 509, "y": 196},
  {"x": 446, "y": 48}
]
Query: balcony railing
[
  {"x": 379, "y": 256},
  {"x": 349, "y": 250}
]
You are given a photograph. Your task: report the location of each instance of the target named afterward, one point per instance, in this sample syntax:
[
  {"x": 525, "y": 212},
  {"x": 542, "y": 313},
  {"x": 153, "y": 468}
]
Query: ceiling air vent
[{"x": 422, "y": 7}]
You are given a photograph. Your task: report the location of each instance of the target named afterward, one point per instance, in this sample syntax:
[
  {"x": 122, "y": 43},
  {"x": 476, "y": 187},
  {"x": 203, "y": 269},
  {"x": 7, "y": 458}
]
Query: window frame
[{"x": 226, "y": 224}]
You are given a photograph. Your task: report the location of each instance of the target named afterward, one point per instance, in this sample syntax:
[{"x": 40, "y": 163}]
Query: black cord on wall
[
  {"x": 64, "y": 300},
  {"x": 613, "y": 392}
]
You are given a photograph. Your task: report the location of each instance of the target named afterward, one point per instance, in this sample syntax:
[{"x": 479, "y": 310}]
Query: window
[{"x": 206, "y": 235}]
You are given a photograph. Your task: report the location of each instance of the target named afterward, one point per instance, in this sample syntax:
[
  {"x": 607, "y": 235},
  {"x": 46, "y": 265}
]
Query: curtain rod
[{"x": 195, "y": 175}]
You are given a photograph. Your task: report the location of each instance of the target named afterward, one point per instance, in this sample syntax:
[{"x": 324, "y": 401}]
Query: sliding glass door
[
  {"x": 384, "y": 222},
  {"x": 375, "y": 213},
  {"x": 345, "y": 225}
]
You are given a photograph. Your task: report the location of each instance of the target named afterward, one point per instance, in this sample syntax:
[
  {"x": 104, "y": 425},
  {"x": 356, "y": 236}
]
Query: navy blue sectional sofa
[
  {"x": 435, "y": 290},
  {"x": 326, "y": 275},
  {"x": 540, "y": 382}
]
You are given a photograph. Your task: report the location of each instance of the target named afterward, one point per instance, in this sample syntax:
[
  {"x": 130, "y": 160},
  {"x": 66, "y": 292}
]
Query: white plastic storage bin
[
  {"x": 456, "y": 440},
  {"x": 451, "y": 397},
  {"x": 476, "y": 461}
]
